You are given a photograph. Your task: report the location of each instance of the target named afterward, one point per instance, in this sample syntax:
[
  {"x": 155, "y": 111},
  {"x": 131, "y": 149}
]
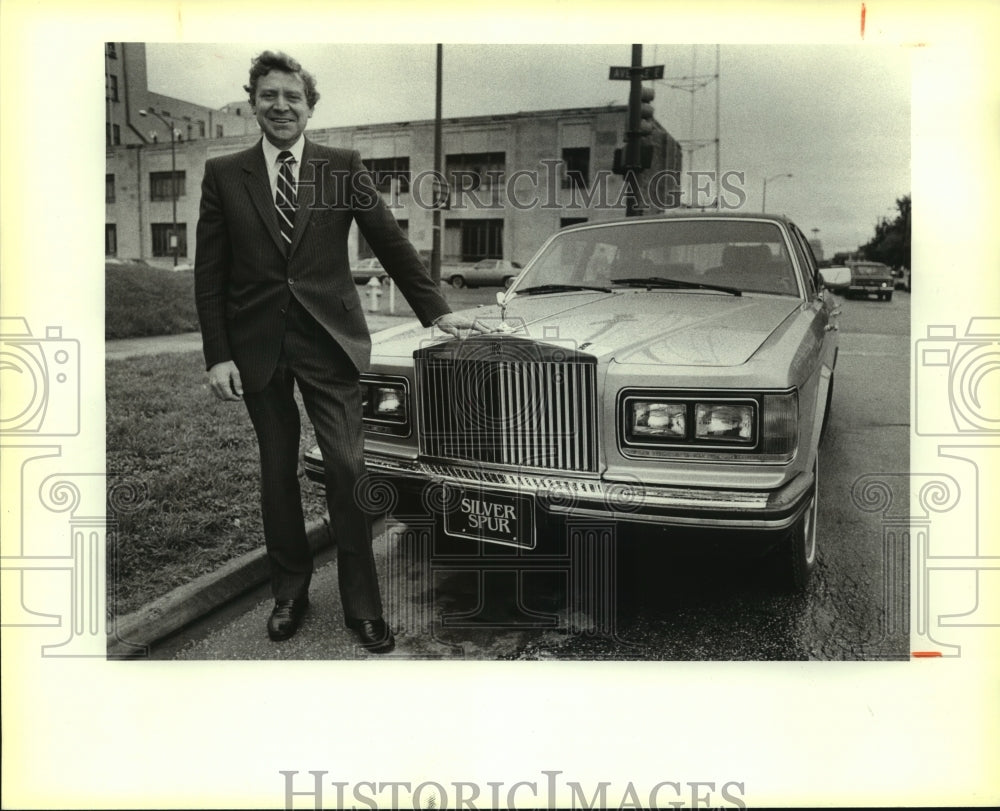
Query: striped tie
[{"x": 284, "y": 197}]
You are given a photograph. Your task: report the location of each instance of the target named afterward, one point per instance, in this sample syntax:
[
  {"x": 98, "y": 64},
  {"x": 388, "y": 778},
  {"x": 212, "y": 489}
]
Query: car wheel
[
  {"x": 888, "y": 296},
  {"x": 507, "y": 281},
  {"x": 457, "y": 282},
  {"x": 797, "y": 554}
]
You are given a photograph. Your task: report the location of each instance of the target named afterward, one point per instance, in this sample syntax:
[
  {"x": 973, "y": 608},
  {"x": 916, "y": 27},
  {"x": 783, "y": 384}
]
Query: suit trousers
[{"x": 329, "y": 384}]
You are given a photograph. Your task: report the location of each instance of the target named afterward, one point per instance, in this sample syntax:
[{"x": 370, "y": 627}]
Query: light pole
[
  {"x": 763, "y": 202},
  {"x": 173, "y": 180}
]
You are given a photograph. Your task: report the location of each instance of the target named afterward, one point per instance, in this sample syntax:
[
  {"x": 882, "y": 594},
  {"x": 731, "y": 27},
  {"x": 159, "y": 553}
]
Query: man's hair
[{"x": 264, "y": 63}]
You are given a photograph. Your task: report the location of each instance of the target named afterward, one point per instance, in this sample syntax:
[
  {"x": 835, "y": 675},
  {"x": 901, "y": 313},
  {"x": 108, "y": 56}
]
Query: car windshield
[
  {"x": 743, "y": 255},
  {"x": 871, "y": 270}
]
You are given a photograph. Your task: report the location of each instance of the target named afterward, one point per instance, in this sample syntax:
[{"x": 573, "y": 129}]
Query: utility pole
[
  {"x": 436, "y": 214},
  {"x": 637, "y": 156}
]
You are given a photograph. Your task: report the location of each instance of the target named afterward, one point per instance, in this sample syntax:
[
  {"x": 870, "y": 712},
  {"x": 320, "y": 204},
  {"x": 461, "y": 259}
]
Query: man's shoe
[
  {"x": 286, "y": 618},
  {"x": 375, "y": 635}
]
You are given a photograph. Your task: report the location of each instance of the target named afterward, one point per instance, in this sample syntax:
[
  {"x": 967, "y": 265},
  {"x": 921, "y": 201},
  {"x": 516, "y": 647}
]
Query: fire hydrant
[{"x": 374, "y": 294}]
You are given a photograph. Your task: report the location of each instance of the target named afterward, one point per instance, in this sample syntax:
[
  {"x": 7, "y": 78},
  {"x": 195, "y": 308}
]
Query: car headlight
[
  {"x": 724, "y": 421},
  {"x": 752, "y": 427},
  {"x": 385, "y": 405}
]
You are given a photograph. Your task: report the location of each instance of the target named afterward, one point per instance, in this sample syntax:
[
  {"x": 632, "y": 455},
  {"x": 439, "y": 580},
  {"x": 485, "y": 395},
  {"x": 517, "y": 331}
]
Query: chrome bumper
[{"x": 701, "y": 508}]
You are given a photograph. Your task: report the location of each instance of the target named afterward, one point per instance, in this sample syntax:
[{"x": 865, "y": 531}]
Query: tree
[{"x": 891, "y": 243}]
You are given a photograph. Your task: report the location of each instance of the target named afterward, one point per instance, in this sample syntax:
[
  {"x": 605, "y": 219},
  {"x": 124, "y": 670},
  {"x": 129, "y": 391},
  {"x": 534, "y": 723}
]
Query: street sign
[{"x": 646, "y": 73}]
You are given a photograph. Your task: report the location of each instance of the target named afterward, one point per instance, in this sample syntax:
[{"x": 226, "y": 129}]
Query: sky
[{"x": 835, "y": 117}]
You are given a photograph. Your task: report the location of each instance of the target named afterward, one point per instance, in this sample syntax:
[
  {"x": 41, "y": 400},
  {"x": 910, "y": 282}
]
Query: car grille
[{"x": 508, "y": 401}]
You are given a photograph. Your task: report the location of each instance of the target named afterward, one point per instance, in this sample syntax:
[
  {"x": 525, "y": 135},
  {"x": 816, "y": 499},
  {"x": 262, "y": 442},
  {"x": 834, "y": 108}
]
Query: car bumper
[{"x": 729, "y": 510}]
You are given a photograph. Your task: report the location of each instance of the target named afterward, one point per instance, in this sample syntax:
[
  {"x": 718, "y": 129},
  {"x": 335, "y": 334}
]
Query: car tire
[
  {"x": 888, "y": 296},
  {"x": 507, "y": 281},
  {"x": 457, "y": 282},
  {"x": 796, "y": 557}
]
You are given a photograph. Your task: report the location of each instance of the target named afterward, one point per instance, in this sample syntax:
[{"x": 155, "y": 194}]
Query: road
[{"x": 643, "y": 602}]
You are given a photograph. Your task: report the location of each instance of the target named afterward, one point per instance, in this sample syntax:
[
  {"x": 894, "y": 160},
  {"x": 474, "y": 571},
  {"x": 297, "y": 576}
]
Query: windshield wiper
[
  {"x": 560, "y": 288},
  {"x": 660, "y": 281}
]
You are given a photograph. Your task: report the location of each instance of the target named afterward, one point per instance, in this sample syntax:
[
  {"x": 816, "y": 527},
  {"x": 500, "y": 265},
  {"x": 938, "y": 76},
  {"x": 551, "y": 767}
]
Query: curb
[{"x": 132, "y": 635}]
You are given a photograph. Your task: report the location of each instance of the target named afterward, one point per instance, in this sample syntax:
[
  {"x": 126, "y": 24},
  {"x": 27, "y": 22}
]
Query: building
[{"x": 509, "y": 180}]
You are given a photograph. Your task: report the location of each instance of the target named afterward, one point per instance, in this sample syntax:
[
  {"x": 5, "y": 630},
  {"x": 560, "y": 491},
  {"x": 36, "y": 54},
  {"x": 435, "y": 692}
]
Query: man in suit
[{"x": 278, "y": 308}]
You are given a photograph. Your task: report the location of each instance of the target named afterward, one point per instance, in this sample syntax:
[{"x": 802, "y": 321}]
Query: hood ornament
[{"x": 502, "y": 302}]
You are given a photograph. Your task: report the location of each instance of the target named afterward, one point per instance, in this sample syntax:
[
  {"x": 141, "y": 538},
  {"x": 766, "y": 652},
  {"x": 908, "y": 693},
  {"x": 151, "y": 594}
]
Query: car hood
[{"x": 632, "y": 326}]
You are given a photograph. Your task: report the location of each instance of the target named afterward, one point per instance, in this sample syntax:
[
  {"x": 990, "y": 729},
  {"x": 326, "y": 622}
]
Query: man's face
[{"x": 281, "y": 107}]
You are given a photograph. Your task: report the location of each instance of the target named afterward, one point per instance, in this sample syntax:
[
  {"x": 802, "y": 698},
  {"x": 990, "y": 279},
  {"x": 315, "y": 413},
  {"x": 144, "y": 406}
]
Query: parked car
[
  {"x": 870, "y": 279},
  {"x": 836, "y": 279},
  {"x": 671, "y": 372},
  {"x": 484, "y": 273},
  {"x": 367, "y": 269}
]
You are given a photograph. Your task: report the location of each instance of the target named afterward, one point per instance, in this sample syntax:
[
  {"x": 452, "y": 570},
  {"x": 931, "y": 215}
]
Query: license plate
[{"x": 492, "y": 517}]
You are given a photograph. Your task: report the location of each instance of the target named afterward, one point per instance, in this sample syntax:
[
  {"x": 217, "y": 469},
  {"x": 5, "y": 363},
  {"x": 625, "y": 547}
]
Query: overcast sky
[{"x": 836, "y": 117}]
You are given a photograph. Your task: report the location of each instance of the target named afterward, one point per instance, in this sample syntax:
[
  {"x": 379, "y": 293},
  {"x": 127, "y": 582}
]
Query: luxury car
[
  {"x": 673, "y": 373},
  {"x": 484, "y": 273},
  {"x": 871, "y": 279},
  {"x": 367, "y": 269}
]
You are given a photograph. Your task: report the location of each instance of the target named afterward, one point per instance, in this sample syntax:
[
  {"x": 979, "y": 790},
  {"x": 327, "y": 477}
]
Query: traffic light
[{"x": 646, "y": 95}]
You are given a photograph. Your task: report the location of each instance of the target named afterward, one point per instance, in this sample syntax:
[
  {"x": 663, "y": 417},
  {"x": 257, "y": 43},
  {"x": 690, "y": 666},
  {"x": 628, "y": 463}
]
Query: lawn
[
  {"x": 191, "y": 462},
  {"x": 140, "y": 300}
]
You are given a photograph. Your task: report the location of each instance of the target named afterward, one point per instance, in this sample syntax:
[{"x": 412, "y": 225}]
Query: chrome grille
[{"x": 508, "y": 402}]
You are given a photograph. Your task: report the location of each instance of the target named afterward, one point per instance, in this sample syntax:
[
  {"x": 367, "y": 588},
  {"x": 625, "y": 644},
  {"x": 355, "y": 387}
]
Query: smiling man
[{"x": 278, "y": 309}]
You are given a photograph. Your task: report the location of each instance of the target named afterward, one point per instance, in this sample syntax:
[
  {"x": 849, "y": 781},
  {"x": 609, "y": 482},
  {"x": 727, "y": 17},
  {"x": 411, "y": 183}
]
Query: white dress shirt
[{"x": 271, "y": 153}]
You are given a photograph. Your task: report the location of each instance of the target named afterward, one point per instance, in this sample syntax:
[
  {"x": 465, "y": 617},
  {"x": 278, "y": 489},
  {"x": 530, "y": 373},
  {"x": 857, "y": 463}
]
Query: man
[{"x": 278, "y": 308}]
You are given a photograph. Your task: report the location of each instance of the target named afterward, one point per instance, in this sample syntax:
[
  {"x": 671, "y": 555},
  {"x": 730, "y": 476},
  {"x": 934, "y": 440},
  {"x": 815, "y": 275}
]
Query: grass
[
  {"x": 140, "y": 300},
  {"x": 190, "y": 465}
]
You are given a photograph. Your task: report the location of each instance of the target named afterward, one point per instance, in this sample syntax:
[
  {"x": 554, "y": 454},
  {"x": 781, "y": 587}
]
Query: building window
[
  {"x": 109, "y": 188},
  {"x": 576, "y": 167},
  {"x": 218, "y": 130},
  {"x": 472, "y": 240},
  {"x": 161, "y": 185},
  {"x": 476, "y": 170},
  {"x": 111, "y": 50},
  {"x": 112, "y": 134},
  {"x": 110, "y": 87},
  {"x": 201, "y": 129},
  {"x": 110, "y": 239},
  {"x": 385, "y": 170},
  {"x": 161, "y": 239}
]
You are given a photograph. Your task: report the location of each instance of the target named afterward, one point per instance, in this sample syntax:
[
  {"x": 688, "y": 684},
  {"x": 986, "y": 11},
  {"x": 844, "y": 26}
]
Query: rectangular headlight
[
  {"x": 716, "y": 426},
  {"x": 385, "y": 405},
  {"x": 658, "y": 419},
  {"x": 726, "y": 422}
]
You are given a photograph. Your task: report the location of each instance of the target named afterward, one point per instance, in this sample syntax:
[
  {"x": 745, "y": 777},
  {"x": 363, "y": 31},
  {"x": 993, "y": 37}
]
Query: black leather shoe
[
  {"x": 375, "y": 635},
  {"x": 286, "y": 617}
]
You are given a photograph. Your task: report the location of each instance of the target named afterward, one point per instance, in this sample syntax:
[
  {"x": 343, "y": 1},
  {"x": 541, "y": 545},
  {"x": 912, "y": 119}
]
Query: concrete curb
[{"x": 132, "y": 635}]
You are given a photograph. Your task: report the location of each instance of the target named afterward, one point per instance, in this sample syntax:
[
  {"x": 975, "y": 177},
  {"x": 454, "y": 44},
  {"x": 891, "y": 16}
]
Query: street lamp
[
  {"x": 763, "y": 202},
  {"x": 173, "y": 179}
]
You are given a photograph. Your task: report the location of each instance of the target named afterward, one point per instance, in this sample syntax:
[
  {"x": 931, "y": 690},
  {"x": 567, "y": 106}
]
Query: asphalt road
[{"x": 643, "y": 602}]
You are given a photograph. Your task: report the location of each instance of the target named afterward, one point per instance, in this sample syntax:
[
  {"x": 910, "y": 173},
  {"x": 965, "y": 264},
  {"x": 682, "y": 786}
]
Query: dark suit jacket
[{"x": 245, "y": 277}]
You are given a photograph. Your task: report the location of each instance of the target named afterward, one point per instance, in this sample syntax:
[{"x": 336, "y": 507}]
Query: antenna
[{"x": 693, "y": 84}]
